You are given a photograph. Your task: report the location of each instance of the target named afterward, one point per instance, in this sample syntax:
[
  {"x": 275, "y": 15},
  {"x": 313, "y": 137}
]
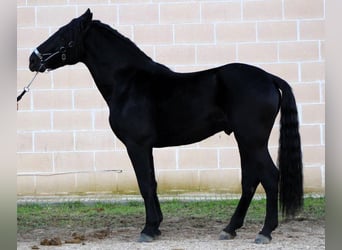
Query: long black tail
[{"x": 289, "y": 153}]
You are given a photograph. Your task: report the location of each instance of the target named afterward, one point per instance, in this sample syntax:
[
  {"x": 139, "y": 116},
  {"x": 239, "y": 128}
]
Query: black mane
[{"x": 118, "y": 36}]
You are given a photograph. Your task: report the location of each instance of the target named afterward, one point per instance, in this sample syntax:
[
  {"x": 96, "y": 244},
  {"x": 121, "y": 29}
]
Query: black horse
[{"x": 152, "y": 106}]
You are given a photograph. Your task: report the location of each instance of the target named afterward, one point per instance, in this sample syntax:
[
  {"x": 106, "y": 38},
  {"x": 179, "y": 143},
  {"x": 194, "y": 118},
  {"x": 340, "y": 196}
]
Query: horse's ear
[{"x": 85, "y": 19}]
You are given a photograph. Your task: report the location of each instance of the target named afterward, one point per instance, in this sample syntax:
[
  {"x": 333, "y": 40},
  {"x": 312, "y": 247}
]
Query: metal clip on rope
[{"x": 27, "y": 88}]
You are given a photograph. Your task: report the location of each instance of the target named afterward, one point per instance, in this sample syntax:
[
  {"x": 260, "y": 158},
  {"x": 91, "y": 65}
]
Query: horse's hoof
[
  {"x": 145, "y": 238},
  {"x": 226, "y": 236},
  {"x": 262, "y": 239}
]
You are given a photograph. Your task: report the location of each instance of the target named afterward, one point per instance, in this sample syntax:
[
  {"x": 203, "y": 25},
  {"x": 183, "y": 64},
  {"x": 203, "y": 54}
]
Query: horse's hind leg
[
  {"x": 257, "y": 166},
  {"x": 269, "y": 180}
]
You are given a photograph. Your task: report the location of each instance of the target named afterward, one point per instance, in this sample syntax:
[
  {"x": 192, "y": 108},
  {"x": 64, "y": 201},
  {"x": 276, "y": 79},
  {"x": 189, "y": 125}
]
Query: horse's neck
[
  {"x": 105, "y": 57},
  {"x": 113, "y": 60}
]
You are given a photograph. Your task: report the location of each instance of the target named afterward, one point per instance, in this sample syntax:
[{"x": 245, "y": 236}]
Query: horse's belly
[
  {"x": 168, "y": 140},
  {"x": 189, "y": 131}
]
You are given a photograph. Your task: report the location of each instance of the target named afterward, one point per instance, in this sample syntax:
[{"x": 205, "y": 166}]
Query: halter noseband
[
  {"x": 49, "y": 56},
  {"x": 38, "y": 54},
  {"x": 62, "y": 50}
]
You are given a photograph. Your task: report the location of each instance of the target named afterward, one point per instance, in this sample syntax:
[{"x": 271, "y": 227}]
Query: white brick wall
[{"x": 62, "y": 122}]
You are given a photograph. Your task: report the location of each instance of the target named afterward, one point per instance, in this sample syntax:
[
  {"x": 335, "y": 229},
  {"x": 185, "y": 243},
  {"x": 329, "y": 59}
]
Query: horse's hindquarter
[{"x": 251, "y": 99}]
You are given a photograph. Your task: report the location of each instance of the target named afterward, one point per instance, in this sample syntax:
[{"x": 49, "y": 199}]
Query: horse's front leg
[{"x": 142, "y": 160}]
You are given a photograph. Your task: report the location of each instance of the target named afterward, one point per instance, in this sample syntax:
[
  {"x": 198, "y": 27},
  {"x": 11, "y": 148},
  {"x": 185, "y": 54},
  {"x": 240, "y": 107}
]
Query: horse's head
[{"x": 65, "y": 47}]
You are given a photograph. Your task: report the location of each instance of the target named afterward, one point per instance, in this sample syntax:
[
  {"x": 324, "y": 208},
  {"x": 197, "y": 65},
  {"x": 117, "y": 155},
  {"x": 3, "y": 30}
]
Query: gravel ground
[
  {"x": 177, "y": 234},
  {"x": 290, "y": 235}
]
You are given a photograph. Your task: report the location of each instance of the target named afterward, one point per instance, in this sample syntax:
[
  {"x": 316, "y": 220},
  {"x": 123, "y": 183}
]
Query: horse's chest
[{"x": 131, "y": 121}]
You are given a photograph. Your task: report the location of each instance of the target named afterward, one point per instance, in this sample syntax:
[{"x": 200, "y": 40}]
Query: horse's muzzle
[{"x": 36, "y": 64}]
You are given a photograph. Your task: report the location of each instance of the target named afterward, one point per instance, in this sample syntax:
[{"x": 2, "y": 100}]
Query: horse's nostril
[
  {"x": 33, "y": 63},
  {"x": 32, "y": 60}
]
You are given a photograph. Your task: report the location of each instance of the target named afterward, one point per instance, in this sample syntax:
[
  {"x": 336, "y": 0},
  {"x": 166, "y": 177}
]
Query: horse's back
[
  {"x": 183, "y": 108},
  {"x": 232, "y": 98},
  {"x": 186, "y": 108}
]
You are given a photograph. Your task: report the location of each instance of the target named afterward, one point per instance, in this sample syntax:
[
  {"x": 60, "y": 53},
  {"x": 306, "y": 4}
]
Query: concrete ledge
[{"x": 112, "y": 198}]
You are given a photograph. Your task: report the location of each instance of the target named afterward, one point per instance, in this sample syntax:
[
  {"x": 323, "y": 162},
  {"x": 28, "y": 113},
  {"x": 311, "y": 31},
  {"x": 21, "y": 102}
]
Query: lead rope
[{"x": 27, "y": 88}]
